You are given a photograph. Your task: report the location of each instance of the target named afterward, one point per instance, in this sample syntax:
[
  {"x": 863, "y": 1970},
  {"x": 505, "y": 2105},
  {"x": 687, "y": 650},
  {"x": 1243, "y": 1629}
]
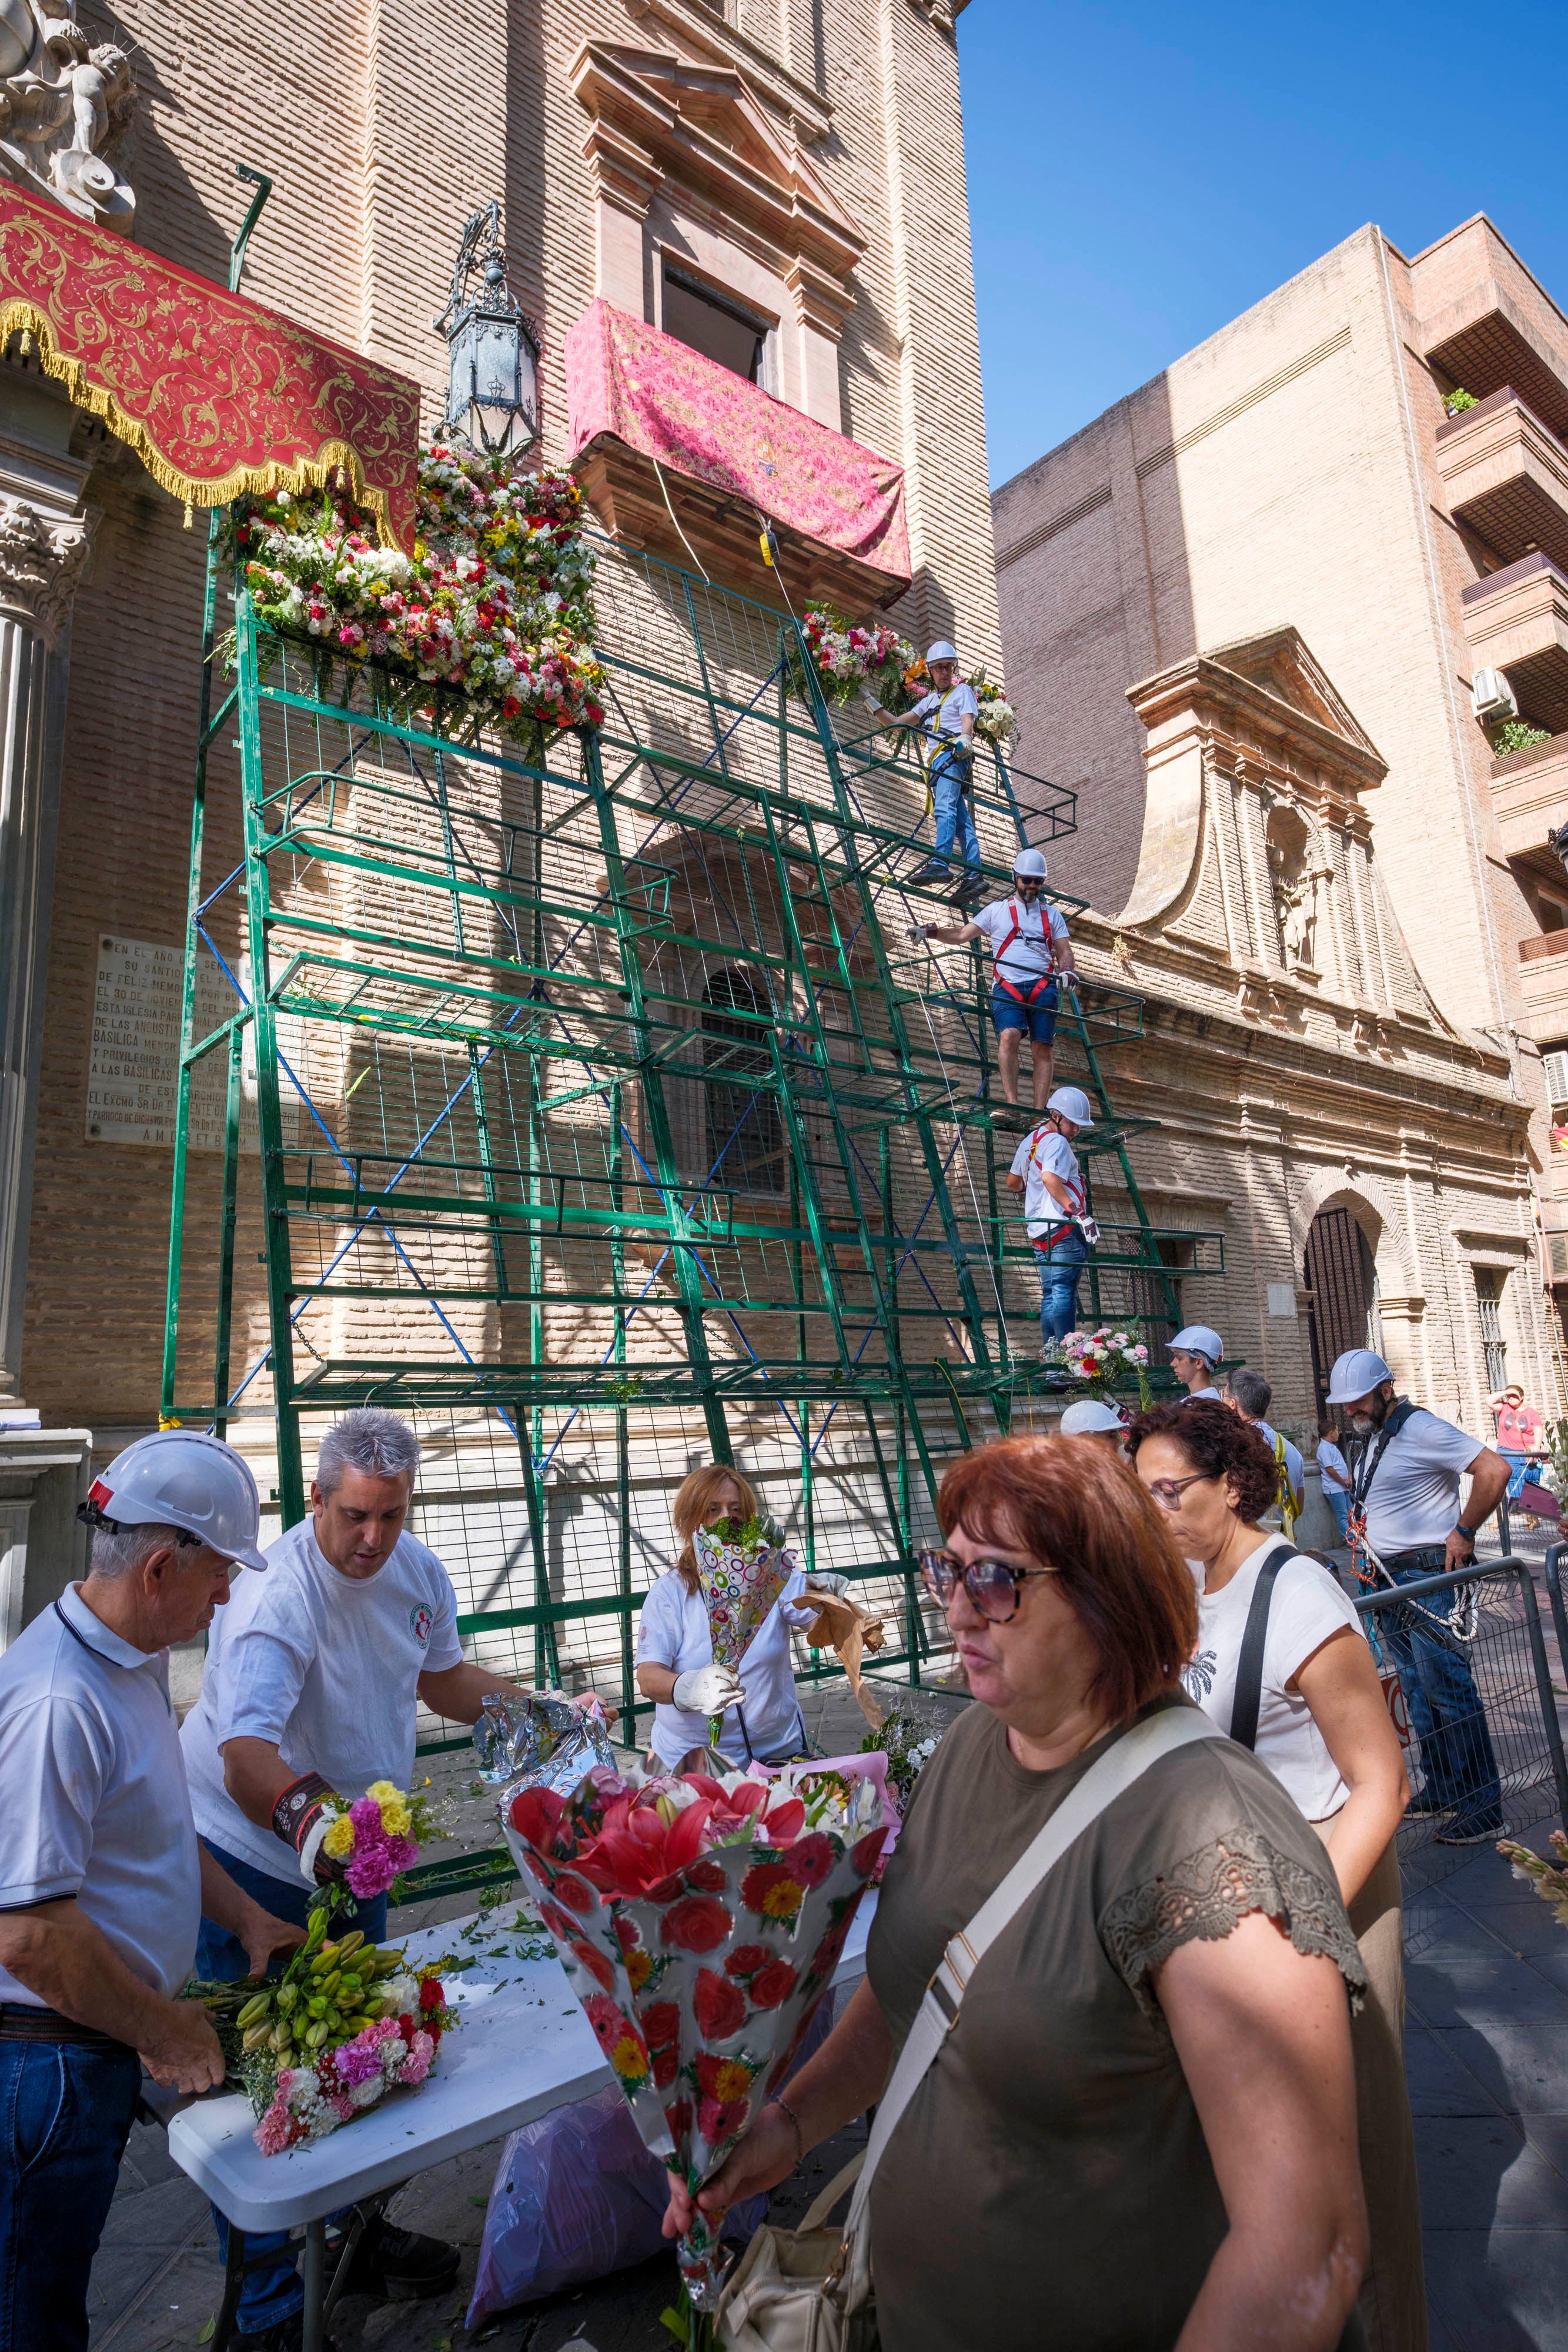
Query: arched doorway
[{"x": 1338, "y": 1273}]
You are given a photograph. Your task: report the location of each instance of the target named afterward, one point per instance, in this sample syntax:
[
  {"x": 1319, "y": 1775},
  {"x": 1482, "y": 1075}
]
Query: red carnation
[
  {"x": 429, "y": 1993},
  {"x": 698, "y": 1923},
  {"x": 720, "y": 2006},
  {"x": 773, "y": 1985}
]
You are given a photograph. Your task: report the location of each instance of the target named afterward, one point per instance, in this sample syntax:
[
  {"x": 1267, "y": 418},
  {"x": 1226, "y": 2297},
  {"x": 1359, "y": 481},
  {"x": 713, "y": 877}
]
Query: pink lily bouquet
[
  {"x": 1105, "y": 1359},
  {"x": 699, "y": 1921}
]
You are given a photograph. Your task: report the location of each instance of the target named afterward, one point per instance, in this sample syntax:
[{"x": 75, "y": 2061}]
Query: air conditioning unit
[
  {"x": 1555, "y": 1064},
  {"x": 1492, "y": 695}
]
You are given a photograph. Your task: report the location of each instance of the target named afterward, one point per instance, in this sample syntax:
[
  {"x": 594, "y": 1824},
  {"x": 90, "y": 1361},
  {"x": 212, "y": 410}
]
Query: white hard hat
[
  {"x": 1088, "y": 1417},
  {"x": 1355, "y": 1374},
  {"x": 1073, "y": 1104},
  {"x": 1032, "y": 864},
  {"x": 941, "y": 651},
  {"x": 179, "y": 1479},
  {"x": 1199, "y": 1340}
]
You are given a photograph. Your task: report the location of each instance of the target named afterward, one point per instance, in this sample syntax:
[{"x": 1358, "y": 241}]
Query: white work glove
[
  {"x": 707, "y": 1690},
  {"x": 921, "y": 931},
  {"x": 1067, "y": 978}
]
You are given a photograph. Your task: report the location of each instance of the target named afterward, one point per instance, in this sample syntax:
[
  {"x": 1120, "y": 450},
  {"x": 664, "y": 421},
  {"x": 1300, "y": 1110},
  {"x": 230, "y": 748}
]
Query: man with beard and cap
[{"x": 1406, "y": 1467}]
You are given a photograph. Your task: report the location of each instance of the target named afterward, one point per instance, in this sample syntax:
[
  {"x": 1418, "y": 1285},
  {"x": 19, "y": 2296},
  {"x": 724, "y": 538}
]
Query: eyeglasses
[
  {"x": 1168, "y": 1491},
  {"x": 993, "y": 1585}
]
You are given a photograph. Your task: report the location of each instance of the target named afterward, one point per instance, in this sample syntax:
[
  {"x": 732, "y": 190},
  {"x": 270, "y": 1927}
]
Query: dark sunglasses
[{"x": 991, "y": 1584}]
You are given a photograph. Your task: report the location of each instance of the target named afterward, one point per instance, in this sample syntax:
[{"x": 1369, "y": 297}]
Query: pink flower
[
  {"x": 277, "y": 2130},
  {"x": 416, "y": 2064},
  {"x": 358, "y": 2060}
]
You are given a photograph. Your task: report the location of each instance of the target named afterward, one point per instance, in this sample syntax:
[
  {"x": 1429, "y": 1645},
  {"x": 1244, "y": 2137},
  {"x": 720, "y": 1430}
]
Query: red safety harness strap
[
  {"x": 1046, "y": 980},
  {"x": 1077, "y": 1193}
]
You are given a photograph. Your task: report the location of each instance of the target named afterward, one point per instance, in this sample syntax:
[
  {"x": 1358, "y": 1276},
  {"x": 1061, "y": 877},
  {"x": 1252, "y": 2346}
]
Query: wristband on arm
[{"x": 302, "y": 1820}]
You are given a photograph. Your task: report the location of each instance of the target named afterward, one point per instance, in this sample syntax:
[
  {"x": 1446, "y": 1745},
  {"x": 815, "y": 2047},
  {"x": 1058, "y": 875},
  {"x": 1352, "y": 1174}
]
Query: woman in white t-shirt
[
  {"x": 1324, "y": 1731},
  {"x": 675, "y": 1652}
]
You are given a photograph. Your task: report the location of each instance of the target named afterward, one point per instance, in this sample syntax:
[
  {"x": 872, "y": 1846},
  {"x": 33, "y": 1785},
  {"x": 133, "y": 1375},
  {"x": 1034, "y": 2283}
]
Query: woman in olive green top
[{"x": 1141, "y": 2134}]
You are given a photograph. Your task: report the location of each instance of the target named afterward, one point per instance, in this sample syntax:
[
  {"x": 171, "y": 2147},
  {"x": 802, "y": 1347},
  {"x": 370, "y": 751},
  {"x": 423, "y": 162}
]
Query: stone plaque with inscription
[{"x": 133, "y": 1067}]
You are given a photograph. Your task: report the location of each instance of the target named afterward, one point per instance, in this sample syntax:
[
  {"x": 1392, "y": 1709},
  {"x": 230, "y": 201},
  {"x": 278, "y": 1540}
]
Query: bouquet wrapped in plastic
[
  {"x": 542, "y": 1735},
  {"x": 742, "y": 1567},
  {"x": 700, "y": 1920}
]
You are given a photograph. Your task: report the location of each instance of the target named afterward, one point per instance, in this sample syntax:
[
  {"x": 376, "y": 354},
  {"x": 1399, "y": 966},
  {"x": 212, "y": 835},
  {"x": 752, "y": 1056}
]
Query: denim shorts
[{"x": 1039, "y": 1019}]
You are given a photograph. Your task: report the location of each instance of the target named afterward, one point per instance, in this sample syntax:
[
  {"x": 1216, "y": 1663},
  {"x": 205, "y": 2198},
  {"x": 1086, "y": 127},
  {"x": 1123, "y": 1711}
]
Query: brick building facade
[{"x": 1243, "y": 612}]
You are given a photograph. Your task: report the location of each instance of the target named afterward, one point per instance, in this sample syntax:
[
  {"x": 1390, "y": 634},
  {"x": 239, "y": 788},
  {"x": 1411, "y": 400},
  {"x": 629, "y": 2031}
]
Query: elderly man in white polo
[
  {"x": 312, "y": 1686},
  {"x": 102, "y": 1883}
]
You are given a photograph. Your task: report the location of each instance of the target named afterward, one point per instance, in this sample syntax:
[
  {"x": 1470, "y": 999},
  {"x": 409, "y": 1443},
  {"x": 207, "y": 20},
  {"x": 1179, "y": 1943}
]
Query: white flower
[{"x": 400, "y": 1996}]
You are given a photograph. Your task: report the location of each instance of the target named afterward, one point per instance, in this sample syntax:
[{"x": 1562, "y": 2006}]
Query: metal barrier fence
[{"x": 1484, "y": 1749}]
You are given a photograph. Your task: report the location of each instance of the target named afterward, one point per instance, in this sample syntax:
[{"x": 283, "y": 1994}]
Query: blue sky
[{"x": 1139, "y": 176}]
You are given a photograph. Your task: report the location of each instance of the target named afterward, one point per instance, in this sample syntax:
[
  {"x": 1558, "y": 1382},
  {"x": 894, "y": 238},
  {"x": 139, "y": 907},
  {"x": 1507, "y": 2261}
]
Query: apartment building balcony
[
  {"x": 1506, "y": 474},
  {"x": 1487, "y": 342},
  {"x": 1530, "y": 795},
  {"x": 1516, "y": 620}
]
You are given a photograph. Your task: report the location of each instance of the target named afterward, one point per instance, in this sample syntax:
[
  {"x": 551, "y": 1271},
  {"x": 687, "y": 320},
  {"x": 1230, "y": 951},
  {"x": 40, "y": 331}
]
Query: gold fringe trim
[{"x": 261, "y": 481}]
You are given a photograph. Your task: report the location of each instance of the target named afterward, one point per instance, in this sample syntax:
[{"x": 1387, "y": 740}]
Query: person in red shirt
[{"x": 1520, "y": 1439}]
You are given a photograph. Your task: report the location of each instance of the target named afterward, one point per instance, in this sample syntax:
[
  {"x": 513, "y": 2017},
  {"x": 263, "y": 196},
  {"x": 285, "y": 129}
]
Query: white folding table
[{"x": 524, "y": 2047}]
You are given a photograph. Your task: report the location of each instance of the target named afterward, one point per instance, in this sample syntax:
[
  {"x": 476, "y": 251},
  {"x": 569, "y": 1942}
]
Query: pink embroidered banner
[{"x": 699, "y": 419}]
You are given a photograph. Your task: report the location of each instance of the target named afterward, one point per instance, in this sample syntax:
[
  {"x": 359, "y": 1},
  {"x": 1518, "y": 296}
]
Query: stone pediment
[
  {"x": 657, "y": 118},
  {"x": 1282, "y": 664},
  {"x": 1263, "y": 708}
]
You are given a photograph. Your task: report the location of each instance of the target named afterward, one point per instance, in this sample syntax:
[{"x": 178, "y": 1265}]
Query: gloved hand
[
  {"x": 919, "y": 932},
  {"x": 707, "y": 1690},
  {"x": 301, "y": 1818},
  {"x": 1067, "y": 978}
]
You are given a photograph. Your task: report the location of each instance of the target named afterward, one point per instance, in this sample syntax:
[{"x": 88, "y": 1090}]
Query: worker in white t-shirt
[
  {"x": 1406, "y": 1466},
  {"x": 102, "y": 1883},
  {"x": 1031, "y": 955},
  {"x": 1045, "y": 1170},
  {"x": 1249, "y": 1395},
  {"x": 761, "y": 1714},
  {"x": 1195, "y": 1353},
  {"x": 945, "y": 718},
  {"x": 313, "y": 1679}
]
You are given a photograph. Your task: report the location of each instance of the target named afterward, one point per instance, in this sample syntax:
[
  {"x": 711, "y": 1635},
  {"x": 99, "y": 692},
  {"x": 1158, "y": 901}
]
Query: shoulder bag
[{"x": 810, "y": 2290}]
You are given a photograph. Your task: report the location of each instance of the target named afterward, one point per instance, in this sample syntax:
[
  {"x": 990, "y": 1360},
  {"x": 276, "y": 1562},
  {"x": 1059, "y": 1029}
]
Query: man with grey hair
[
  {"x": 102, "y": 1883},
  {"x": 311, "y": 1688},
  {"x": 1249, "y": 1395}
]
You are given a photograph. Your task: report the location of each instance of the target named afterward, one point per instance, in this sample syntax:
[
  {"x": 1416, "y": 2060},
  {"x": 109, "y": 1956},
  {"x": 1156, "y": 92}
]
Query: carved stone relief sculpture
[
  {"x": 64, "y": 102},
  {"x": 41, "y": 566}
]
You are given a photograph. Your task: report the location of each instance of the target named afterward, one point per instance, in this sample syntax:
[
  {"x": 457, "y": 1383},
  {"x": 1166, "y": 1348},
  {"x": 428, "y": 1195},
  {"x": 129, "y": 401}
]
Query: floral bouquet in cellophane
[
  {"x": 343, "y": 2022},
  {"x": 699, "y": 1921},
  {"x": 742, "y": 1567}
]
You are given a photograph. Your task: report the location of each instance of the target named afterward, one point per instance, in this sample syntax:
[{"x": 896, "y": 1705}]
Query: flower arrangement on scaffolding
[
  {"x": 492, "y": 611},
  {"x": 1106, "y": 1359},
  {"x": 343, "y": 2022},
  {"x": 700, "y": 1920},
  {"x": 870, "y": 660}
]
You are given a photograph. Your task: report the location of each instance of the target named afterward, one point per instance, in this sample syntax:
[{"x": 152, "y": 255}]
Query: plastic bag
[
  {"x": 538, "y": 1739},
  {"x": 578, "y": 2195}
]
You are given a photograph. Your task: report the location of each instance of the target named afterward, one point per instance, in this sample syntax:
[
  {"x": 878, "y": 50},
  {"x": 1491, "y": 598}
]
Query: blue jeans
[
  {"x": 1338, "y": 1500},
  {"x": 1458, "y": 1765},
  {"x": 951, "y": 804},
  {"x": 65, "y": 2110},
  {"x": 1059, "y": 1275},
  {"x": 277, "y": 2292}
]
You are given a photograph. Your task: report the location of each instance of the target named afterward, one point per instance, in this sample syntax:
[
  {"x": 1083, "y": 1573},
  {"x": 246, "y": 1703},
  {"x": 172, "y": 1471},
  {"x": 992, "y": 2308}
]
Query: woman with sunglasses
[
  {"x": 1140, "y": 2133},
  {"x": 1322, "y": 1728}
]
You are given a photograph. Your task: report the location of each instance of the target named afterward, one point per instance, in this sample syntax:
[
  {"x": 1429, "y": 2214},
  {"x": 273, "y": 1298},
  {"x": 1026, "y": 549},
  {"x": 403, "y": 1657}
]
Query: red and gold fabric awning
[{"x": 218, "y": 396}]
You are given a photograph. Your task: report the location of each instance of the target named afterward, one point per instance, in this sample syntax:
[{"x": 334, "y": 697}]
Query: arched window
[
  {"x": 745, "y": 1131},
  {"x": 1340, "y": 1276}
]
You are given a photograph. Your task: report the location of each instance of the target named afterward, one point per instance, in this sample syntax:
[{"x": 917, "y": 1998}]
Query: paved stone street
[{"x": 1487, "y": 2051}]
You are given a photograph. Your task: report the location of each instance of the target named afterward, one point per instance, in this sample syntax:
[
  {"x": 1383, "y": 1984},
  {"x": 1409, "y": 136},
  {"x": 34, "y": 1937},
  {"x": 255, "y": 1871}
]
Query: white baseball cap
[
  {"x": 1073, "y": 1104},
  {"x": 1088, "y": 1417},
  {"x": 941, "y": 651},
  {"x": 1198, "y": 1340},
  {"x": 1355, "y": 1374},
  {"x": 182, "y": 1478}
]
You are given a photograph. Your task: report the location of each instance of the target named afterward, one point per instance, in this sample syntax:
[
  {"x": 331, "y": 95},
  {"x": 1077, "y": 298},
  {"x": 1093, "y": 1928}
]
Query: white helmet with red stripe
[{"x": 179, "y": 1479}]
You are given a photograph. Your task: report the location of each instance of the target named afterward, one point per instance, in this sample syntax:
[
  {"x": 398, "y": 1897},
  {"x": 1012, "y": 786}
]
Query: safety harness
[
  {"x": 1078, "y": 1195},
  {"x": 1046, "y": 980},
  {"x": 1289, "y": 1514}
]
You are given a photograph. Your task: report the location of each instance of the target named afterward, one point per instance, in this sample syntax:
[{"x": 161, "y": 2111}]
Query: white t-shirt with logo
[
  {"x": 944, "y": 714},
  {"x": 95, "y": 1793},
  {"x": 674, "y": 1631},
  {"x": 1414, "y": 1499},
  {"x": 1029, "y": 956},
  {"x": 1308, "y": 1608},
  {"x": 1046, "y": 1152},
  {"x": 325, "y": 1667}
]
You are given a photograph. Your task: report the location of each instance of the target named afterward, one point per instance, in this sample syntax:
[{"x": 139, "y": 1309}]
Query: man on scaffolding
[
  {"x": 1045, "y": 1170},
  {"x": 945, "y": 718},
  {"x": 1031, "y": 955}
]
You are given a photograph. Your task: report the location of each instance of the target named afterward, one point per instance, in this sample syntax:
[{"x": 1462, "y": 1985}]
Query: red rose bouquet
[{"x": 700, "y": 1921}]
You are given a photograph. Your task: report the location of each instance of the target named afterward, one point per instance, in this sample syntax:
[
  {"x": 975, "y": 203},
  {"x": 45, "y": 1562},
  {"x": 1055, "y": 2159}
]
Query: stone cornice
[
  {"x": 1326, "y": 768},
  {"x": 656, "y": 119},
  {"x": 810, "y": 114}
]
